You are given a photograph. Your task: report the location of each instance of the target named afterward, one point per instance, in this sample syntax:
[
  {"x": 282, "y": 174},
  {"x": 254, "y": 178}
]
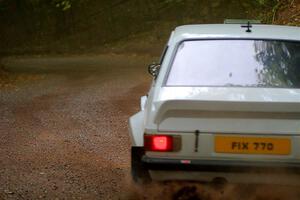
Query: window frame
[{"x": 163, "y": 55}]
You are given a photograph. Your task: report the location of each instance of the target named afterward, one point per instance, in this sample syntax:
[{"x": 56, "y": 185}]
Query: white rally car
[{"x": 224, "y": 105}]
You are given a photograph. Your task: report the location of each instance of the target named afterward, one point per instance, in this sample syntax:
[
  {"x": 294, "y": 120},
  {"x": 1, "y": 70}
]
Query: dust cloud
[{"x": 207, "y": 191}]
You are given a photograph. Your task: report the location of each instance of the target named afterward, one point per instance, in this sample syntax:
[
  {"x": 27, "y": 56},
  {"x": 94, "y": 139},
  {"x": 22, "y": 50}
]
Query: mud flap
[{"x": 139, "y": 172}]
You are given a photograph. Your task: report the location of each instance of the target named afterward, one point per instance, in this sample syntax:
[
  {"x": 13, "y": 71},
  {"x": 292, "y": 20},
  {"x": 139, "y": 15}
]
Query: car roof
[{"x": 234, "y": 31}]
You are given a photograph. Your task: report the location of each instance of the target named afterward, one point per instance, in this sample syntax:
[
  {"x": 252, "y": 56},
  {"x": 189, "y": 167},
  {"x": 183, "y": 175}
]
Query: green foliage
[
  {"x": 172, "y": 1},
  {"x": 262, "y": 2},
  {"x": 267, "y": 3},
  {"x": 270, "y": 8},
  {"x": 62, "y": 4}
]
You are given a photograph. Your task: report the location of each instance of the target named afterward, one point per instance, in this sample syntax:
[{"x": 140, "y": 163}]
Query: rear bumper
[{"x": 227, "y": 166}]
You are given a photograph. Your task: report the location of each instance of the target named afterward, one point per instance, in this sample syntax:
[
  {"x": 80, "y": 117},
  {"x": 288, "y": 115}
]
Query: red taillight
[{"x": 158, "y": 143}]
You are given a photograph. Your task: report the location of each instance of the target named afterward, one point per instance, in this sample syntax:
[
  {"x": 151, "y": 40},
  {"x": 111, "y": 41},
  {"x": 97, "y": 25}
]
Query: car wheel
[{"x": 140, "y": 174}]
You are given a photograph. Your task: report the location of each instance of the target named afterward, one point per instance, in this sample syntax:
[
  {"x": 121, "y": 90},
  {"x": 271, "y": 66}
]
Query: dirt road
[{"x": 64, "y": 136}]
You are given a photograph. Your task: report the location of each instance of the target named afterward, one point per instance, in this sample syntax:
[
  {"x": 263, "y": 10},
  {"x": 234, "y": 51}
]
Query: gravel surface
[{"x": 65, "y": 136}]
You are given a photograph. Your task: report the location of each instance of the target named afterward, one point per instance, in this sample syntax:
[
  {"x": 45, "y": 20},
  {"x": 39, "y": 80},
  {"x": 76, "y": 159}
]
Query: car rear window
[{"x": 236, "y": 63}]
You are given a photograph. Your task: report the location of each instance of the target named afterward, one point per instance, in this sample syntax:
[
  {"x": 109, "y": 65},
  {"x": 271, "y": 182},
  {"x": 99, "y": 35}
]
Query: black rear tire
[{"x": 139, "y": 172}]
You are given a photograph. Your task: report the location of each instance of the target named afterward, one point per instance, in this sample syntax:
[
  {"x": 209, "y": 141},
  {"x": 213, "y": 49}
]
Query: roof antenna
[{"x": 248, "y": 26}]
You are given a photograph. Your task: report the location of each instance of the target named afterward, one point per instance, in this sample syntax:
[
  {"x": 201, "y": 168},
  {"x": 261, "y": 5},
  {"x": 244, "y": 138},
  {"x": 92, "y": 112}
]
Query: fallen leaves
[
  {"x": 10, "y": 80},
  {"x": 289, "y": 14}
]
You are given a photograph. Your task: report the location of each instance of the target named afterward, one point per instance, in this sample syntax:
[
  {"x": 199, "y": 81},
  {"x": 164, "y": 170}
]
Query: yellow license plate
[{"x": 252, "y": 145}]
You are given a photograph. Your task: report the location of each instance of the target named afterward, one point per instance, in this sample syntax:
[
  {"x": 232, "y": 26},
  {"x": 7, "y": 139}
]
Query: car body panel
[
  {"x": 206, "y": 148},
  {"x": 231, "y": 31},
  {"x": 199, "y": 114},
  {"x": 136, "y": 129}
]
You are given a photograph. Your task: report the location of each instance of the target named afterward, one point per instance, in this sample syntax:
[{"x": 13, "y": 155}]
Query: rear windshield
[{"x": 236, "y": 63}]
